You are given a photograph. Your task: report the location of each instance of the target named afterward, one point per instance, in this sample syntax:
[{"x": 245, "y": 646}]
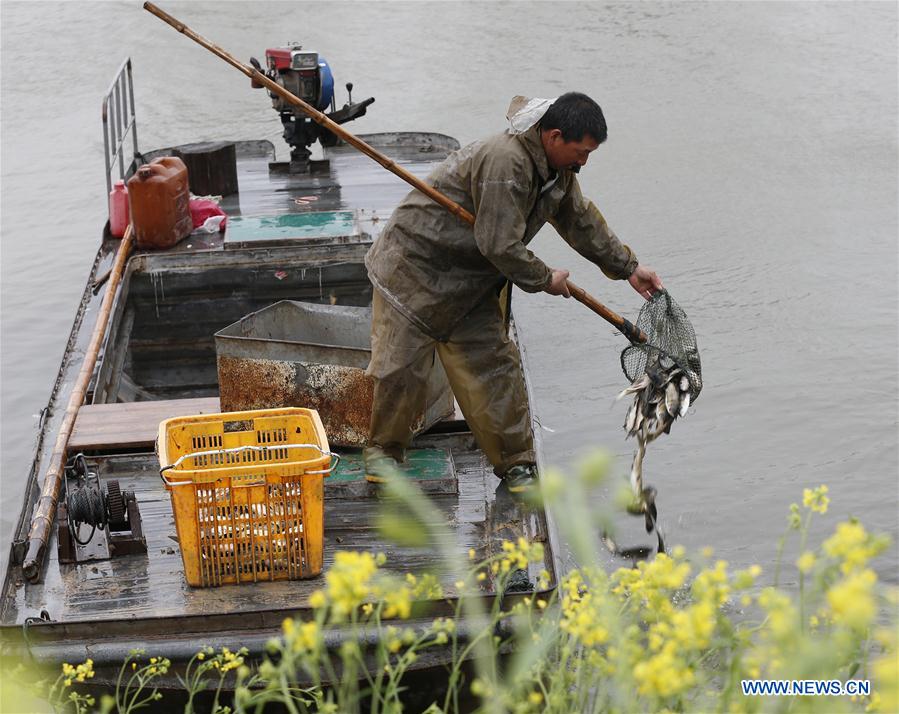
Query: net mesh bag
[{"x": 670, "y": 341}]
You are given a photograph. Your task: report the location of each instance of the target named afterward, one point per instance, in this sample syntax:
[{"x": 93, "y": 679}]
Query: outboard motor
[{"x": 307, "y": 75}]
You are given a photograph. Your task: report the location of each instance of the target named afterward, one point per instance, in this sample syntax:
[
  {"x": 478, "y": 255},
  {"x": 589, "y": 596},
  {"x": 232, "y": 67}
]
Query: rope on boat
[{"x": 85, "y": 503}]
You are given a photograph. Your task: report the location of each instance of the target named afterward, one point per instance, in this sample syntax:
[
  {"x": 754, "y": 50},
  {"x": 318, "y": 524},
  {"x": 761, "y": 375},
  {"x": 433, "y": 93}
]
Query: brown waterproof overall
[{"x": 437, "y": 283}]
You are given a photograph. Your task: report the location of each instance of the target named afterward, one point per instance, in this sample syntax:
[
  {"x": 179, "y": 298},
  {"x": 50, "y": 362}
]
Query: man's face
[{"x": 561, "y": 154}]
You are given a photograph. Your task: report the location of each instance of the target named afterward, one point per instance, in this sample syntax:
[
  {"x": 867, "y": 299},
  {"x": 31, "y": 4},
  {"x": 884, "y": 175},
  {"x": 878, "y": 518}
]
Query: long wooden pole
[
  {"x": 627, "y": 328},
  {"x": 45, "y": 514}
]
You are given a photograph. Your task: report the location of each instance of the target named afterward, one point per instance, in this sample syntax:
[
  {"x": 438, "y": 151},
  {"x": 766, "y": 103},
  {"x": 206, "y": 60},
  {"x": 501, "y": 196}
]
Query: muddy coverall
[{"x": 438, "y": 282}]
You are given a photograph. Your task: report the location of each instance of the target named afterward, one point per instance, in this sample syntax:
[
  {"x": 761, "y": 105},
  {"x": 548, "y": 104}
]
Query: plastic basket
[{"x": 247, "y": 493}]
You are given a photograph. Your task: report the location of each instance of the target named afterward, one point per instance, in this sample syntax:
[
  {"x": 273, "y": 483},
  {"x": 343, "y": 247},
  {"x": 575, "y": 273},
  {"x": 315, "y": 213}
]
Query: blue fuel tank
[{"x": 327, "y": 84}]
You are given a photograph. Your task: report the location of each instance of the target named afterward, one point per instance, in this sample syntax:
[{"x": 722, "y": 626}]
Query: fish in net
[{"x": 666, "y": 378}]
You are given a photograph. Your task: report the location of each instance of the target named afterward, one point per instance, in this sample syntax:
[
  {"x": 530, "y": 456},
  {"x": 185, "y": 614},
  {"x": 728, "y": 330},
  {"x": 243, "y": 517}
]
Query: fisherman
[{"x": 443, "y": 285}]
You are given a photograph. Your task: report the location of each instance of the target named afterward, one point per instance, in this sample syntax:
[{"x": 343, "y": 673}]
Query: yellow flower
[
  {"x": 853, "y": 545},
  {"x": 781, "y": 613},
  {"x": 517, "y": 555},
  {"x": 348, "y": 582},
  {"x": 746, "y": 578},
  {"x": 317, "y": 599},
  {"x": 535, "y": 698},
  {"x": 664, "y": 674},
  {"x": 816, "y": 499},
  {"x": 851, "y": 600},
  {"x": 304, "y": 638},
  {"x": 394, "y": 645},
  {"x": 397, "y": 602},
  {"x": 711, "y": 584},
  {"x": 806, "y": 562},
  {"x": 886, "y": 676},
  {"x": 584, "y": 619},
  {"x": 693, "y": 627}
]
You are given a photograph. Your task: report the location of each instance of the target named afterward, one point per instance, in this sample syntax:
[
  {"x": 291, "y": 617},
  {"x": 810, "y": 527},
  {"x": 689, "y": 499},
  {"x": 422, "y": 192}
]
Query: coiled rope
[{"x": 85, "y": 503}]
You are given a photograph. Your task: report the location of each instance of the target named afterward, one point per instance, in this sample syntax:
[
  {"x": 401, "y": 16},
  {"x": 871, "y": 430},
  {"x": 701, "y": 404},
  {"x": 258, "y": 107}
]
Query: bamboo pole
[
  {"x": 45, "y": 514},
  {"x": 627, "y": 328}
]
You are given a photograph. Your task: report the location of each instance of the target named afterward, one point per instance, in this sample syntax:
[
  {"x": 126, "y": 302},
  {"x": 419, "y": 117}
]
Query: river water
[{"x": 752, "y": 159}]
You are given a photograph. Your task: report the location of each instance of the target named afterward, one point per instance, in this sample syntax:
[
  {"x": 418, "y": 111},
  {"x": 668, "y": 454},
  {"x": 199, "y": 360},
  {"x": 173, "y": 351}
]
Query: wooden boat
[{"x": 159, "y": 361}]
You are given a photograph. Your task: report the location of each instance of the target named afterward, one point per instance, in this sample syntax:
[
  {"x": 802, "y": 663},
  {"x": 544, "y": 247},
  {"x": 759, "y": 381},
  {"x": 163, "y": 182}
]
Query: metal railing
[{"x": 119, "y": 119}]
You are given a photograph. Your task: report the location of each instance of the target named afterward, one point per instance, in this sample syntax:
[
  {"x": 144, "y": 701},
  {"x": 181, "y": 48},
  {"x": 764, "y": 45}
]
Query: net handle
[
  {"x": 626, "y": 327},
  {"x": 238, "y": 449}
]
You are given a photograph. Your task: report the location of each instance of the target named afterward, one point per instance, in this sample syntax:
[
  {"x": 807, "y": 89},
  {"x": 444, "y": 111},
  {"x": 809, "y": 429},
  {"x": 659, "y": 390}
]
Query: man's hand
[
  {"x": 557, "y": 284},
  {"x": 645, "y": 281}
]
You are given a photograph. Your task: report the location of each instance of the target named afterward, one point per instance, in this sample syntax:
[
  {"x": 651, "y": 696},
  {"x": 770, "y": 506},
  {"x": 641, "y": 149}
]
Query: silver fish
[
  {"x": 660, "y": 396},
  {"x": 672, "y": 399},
  {"x": 685, "y": 404}
]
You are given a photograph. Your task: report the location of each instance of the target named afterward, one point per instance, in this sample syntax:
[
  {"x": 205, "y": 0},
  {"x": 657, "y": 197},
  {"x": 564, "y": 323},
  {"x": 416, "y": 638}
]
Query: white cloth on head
[{"x": 524, "y": 112}]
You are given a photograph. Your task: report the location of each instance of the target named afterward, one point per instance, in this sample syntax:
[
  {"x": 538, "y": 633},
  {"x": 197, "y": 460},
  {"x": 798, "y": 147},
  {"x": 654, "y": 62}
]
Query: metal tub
[{"x": 301, "y": 354}]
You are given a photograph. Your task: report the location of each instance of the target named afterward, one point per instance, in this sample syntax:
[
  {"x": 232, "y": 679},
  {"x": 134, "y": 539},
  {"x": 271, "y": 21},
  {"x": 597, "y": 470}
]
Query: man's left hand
[{"x": 645, "y": 281}]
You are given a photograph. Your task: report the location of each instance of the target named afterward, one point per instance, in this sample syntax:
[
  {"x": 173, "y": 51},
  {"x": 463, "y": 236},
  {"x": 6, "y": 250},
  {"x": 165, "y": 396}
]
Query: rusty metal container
[{"x": 300, "y": 354}]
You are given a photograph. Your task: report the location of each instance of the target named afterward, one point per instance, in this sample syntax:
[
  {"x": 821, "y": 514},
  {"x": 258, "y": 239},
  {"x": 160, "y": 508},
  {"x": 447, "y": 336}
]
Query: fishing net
[{"x": 670, "y": 340}]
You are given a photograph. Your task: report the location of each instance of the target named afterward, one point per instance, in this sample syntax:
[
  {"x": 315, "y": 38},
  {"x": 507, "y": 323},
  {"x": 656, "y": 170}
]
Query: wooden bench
[{"x": 130, "y": 424}]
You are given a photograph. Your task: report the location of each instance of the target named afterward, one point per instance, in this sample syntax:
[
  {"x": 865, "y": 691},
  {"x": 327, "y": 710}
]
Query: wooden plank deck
[{"x": 131, "y": 425}]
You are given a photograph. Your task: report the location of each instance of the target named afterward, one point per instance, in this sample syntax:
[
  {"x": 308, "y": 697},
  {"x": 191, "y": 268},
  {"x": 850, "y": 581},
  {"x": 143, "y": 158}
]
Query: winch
[
  {"x": 96, "y": 520},
  {"x": 307, "y": 75}
]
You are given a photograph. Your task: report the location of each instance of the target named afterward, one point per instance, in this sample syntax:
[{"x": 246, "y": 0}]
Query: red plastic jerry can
[{"x": 118, "y": 210}]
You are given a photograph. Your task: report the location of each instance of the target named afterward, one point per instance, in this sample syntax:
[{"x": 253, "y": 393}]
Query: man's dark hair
[{"x": 575, "y": 114}]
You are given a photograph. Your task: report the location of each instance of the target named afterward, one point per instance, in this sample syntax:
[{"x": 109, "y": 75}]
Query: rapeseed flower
[
  {"x": 852, "y": 600},
  {"x": 79, "y": 673},
  {"x": 816, "y": 499},
  {"x": 583, "y": 619},
  {"x": 301, "y": 639},
  {"x": 781, "y": 613},
  {"x": 853, "y": 545},
  {"x": 712, "y": 584},
  {"x": 397, "y": 602},
  {"x": 693, "y": 627},
  {"x": 516, "y": 556},
  {"x": 348, "y": 583},
  {"x": 744, "y": 579},
  {"x": 806, "y": 562},
  {"x": 664, "y": 674},
  {"x": 886, "y": 678}
]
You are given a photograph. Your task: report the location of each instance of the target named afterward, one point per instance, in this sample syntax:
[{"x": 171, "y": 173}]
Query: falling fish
[{"x": 661, "y": 395}]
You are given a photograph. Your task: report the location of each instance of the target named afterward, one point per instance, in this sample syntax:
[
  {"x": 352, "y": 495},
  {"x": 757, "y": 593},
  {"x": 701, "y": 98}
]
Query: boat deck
[{"x": 481, "y": 515}]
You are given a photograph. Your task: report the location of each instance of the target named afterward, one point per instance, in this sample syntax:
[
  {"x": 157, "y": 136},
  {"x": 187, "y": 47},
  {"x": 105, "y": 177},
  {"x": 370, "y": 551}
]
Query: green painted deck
[{"x": 244, "y": 230}]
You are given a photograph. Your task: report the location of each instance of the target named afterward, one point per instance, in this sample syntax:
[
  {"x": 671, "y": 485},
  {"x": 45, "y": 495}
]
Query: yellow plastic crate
[{"x": 247, "y": 493}]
